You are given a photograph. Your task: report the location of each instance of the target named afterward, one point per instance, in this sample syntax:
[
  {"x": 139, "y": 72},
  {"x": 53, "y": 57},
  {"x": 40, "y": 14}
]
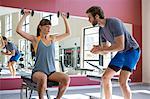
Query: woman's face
[{"x": 45, "y": 29}]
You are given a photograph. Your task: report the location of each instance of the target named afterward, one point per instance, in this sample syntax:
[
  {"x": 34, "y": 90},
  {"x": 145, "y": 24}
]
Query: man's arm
[
  {"x": 117, "y": 46},
  {"x": 9, "y": 52},
  {"x": 2, "y": 42}
]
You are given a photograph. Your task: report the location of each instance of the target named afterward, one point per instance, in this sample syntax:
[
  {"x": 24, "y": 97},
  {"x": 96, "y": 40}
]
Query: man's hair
[
  {"x": 4, "y": 38},
  {"x": 96, "y": 10}
]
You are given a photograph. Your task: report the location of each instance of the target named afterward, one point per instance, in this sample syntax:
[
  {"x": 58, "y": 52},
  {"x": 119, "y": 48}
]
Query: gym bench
[{"x": 28, "y": 84}]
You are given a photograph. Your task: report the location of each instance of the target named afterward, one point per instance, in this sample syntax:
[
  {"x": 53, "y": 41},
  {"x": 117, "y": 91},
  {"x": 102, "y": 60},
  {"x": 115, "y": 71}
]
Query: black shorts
[{"x": 44, "y": 73}]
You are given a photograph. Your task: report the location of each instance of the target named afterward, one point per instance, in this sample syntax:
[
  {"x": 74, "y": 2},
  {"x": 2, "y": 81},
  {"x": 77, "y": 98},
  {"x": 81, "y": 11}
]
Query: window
[
  {"x": 25, "y": 26},
  {"x": 91, "y": 37},
  {"x": 8, "y": 24},
  {"x": 50, "y": 16},
  {"x": 90, "y": 60},
  {"x": 46, "y": 15},
  {"x": 24, "y": 46}
]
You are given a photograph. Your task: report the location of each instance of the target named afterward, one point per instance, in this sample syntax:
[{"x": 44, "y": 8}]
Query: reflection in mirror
[
  {"x": 9, "y": 18},
  {"x": 71, "y": 53},
  {"x": 67, "y": 51}
]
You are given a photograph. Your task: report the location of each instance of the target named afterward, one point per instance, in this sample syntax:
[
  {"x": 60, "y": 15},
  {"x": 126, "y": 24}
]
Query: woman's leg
[
  {"x": 64, "y": 81},
  {"x": 41, "y": 79},
  {"x": 123, "y": 80},
  {"x": 106, "y": 82}
]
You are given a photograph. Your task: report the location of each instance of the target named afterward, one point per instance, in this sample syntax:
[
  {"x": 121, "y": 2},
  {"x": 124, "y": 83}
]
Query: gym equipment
[
  {"x": 22, "y": 12},
  {"x": 58, "y": 14},
  {"x": 0, "y": 69}
]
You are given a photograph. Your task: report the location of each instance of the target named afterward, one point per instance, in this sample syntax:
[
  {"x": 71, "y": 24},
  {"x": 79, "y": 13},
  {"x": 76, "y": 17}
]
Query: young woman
[{"x": 44, "y": 46}]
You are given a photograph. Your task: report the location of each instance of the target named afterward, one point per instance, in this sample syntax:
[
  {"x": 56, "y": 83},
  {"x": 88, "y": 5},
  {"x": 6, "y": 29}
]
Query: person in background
[
  {"x": 11, "y": 50},
  {"x": 44, "y": 46},
  {"x": 113, "y": 31}
]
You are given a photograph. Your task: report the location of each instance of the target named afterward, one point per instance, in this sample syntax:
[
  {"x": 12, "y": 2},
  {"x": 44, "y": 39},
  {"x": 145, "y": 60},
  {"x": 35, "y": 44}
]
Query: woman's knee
[
  {"x": 42, "y": 83},
  {"x": 40, "y": 80},
  {"x": 66, "y": 80}
]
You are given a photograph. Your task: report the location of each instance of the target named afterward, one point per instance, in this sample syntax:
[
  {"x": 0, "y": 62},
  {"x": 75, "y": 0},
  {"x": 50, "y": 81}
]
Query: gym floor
[{"x": 139, "y": 91}]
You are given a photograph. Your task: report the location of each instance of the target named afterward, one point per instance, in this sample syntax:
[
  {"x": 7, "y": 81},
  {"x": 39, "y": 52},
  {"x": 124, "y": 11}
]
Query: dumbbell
[
  {"x": 58, "y": 14},
  {"x": 22, "y": 12}
]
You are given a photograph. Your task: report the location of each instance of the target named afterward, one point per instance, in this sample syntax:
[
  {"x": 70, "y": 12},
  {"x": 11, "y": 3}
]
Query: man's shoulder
[
  {"x": 113, "y": 19},
  {"x": 10, "y": 44}
]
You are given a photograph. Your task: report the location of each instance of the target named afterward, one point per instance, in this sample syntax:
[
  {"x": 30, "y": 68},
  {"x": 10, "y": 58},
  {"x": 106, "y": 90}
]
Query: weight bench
[{"x": 28, "y": 84}]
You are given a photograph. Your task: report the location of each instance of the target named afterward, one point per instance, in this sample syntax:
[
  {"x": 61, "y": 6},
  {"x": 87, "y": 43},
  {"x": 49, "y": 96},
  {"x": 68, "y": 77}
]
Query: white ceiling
[{"x": 7, "y": 10}]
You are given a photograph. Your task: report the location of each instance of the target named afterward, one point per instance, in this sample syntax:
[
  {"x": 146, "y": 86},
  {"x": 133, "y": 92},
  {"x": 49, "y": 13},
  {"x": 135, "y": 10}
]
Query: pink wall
[{"x": 127, "y": 10}]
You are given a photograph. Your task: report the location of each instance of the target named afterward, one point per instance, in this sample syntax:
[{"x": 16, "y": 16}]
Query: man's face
[
  {"x": 5, "y": 42},
  {"x": 92, "y": 19}
]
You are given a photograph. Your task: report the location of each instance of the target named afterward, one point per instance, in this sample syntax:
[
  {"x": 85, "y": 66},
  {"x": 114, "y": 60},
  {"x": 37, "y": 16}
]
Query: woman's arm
[
  {"x": 23, "y": 33},
  {"x": 67, "y": 28}
]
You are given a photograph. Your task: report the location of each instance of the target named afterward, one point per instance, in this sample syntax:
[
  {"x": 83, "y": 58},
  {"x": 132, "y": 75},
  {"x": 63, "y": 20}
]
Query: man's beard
[{"x": 94, "y": 23}]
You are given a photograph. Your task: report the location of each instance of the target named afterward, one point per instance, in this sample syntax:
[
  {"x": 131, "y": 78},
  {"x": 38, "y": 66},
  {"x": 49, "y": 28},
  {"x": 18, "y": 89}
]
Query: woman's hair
[
  {"x": 96, "y": 10},
  {"x": 42, "y": 23}
]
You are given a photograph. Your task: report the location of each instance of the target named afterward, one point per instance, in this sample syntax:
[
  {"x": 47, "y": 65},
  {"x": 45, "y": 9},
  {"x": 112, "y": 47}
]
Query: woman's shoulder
[{"x": 52, "y": 37}]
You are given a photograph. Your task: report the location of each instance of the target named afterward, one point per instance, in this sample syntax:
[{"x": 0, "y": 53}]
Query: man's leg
[
  {"x": 131, "y": 59},
  {"x": 106, "y": 82},
  {"x": 64, "y": 82},
  {"x": 13, "y": 63},
  {"x": 10, "y": 68},
  {"x": 123, "y": 80}
]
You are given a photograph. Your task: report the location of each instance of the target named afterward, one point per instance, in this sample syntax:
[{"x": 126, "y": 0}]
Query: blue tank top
[{"x": 45, "y": 58}]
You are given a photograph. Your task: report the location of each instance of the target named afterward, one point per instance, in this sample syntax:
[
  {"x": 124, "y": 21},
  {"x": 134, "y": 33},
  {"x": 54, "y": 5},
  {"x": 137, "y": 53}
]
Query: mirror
[
  {"x": 67, "y": 51},
  {"x": 71, "y": 53}
]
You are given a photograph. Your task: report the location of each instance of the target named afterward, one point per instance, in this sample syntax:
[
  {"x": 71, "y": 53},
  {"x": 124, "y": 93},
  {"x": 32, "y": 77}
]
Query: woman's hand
[
  {"x": 27, "y": 12},
  {"x": 63, "y": 15}
]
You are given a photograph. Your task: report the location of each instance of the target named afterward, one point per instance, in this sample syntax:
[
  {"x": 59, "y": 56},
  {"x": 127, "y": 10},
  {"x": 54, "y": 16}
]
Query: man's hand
[
  {"x": 2, "y": 52},
  {"x": 97, "y": 49}
]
